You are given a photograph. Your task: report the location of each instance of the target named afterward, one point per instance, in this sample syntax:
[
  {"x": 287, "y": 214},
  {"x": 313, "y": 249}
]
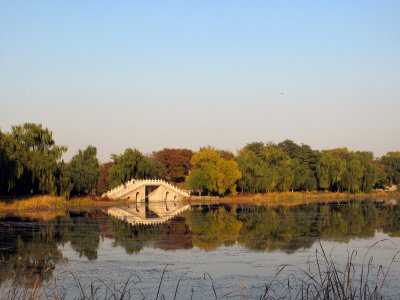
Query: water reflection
[
  {"x": 214, "y": 227},
  {"x": 148, "y": 213},
  {"x": 31, "y": 249}
]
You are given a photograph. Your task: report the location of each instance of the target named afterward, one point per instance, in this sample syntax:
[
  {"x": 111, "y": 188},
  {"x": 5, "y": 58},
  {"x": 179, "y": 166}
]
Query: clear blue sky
[{"x": 155, "y": 74}]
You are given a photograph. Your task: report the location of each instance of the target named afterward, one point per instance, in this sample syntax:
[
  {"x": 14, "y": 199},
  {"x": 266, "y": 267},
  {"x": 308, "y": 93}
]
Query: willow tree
[
  {"x": 84, "y": 171},
  {"x": 30, "y": 157},
  {"x": 391, "y": 164},
  {"x": 330, "y": 170},
  {"x": 131, "y": 164},
  {"x": 265, "y": 168}
]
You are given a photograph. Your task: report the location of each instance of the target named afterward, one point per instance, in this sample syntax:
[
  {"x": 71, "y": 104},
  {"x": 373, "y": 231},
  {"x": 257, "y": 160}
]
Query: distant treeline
[{"x": 30, "y": 163}]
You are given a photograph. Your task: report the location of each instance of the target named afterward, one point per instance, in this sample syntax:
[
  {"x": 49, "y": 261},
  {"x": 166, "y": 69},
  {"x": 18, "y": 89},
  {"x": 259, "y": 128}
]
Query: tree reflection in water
[
  {"x": 30, "y": 248},
  {"x": 214, "y": 228}
]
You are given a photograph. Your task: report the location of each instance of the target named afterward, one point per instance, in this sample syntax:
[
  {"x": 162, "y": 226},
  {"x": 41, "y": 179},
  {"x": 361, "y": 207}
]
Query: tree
[
  {"x": 34, "y": 157},
  {"x": 340, "y": 169},
  {"x": 253, "y": 171},
  {"x": 281, "y": 164},
  {"x": 303, "y": 177},
  {"x": 131, "y": 164},
  {"x": 84, "y": 171},
  {"x": 330, "y": 170},
  {"x": 8, "y": 166},
  {"x": 265, "y": 168},
  {"x": 303, "y": 153},
  {"x": 175, "y": 163},
  {"x": 391, "y": 165},
  {"x": 102, "y": 185},
  {"x": 371, "y": 172},
  {"x": 63, "y": 180},
  {"x": 352, "y": 176},
  {"x": 213, "y": 173}
]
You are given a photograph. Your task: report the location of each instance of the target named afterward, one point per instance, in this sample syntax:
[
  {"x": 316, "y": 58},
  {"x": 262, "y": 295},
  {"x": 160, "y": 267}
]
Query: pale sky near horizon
[{"x": 158, "y": 74}]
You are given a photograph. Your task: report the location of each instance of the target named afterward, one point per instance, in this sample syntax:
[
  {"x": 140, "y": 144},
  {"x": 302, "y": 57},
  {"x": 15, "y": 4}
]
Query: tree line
[{"x": 31, "y": 163}]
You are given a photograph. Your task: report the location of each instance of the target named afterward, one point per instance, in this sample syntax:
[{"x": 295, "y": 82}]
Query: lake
[{"x": 201, "y": 251}]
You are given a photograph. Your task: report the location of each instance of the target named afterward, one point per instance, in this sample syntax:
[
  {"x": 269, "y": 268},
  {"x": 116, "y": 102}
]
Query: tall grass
[
  {"x": 323, "y": 279},
  {"x": 326, "y": 280},
  {"x": 47, "y": 202}
]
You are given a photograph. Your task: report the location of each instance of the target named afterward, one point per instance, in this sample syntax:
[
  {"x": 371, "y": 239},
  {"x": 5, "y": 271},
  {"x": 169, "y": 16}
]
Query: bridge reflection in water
[{"x": 148, "y": 213}]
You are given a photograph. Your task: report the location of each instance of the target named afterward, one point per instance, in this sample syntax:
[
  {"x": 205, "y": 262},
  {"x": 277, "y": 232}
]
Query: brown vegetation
[{"x": 47, "y": 202}]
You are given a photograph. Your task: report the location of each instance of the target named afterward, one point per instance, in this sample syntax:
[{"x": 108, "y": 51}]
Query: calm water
[{"x": 236, "y": 249}]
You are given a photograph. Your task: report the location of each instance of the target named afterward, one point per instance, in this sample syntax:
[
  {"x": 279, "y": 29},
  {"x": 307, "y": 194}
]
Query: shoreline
[
  {"x": 295, "y": 198},
  {"x": 48, "y": 202}
]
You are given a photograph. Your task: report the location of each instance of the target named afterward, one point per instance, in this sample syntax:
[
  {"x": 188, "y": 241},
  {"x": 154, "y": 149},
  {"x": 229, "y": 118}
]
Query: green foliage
[
  {"x": 303, "y": 177},
  {"x": 391, "y": 164},
  {"x": 340, "y": 169},
  {"x": 29, "y": 157},
  {"x": 83, "y": 170},
  {"x": 64, "y": 184},
  {"x": 265, "y": 168},
  {"x": 8, "y": 166},
  {"x": 353, "y": 175},
  {"x": 330, "y": 170},
  {"x": 213, "y": 173},
  {"x": 131, "y": 164}
]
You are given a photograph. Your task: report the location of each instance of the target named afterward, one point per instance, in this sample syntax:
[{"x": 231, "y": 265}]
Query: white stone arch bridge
[{"x": 147, "y": 191}]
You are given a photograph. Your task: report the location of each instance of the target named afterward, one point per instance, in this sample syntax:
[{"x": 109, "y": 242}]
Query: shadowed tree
[
  {"x": 32, "y": 159},
  {"x": 84, "y": 171},
  {"x": 8, "y": 167},
  {"x": 102, "y": 185},
  {"x": 391, "y": 164}
]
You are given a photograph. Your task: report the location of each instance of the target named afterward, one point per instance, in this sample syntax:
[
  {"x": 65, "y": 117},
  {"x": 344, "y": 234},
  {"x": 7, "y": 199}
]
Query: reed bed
[{"x": 323, "y": 279}]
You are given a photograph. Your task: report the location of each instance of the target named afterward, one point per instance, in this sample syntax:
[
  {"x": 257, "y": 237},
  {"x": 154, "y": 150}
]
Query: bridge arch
[
  {"x": 137, "y": 200},
  {"x": 166, "y": 201}
]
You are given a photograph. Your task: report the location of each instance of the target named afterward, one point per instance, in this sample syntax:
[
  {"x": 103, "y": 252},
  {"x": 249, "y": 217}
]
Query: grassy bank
[
  {"x": 47, "y": 202},
  {"x": 295, "y": 198}
]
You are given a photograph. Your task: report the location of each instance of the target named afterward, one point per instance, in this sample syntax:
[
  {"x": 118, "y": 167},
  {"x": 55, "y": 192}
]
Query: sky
[{"x": 186, "y": 74}]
